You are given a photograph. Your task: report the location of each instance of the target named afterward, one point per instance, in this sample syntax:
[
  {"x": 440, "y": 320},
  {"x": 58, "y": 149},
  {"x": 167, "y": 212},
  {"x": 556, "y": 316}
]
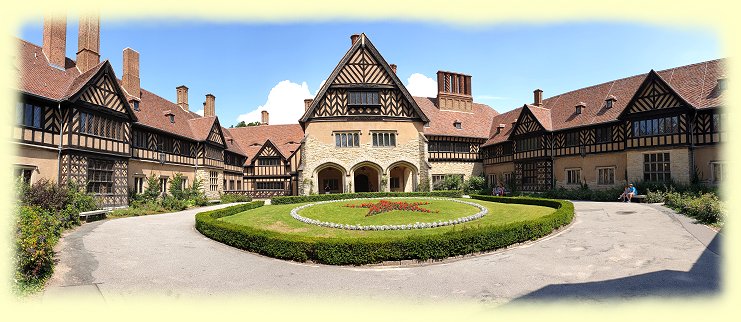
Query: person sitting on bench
[
  {"x": 632, "y": 191},
  {"x": 624, "y": 195}
]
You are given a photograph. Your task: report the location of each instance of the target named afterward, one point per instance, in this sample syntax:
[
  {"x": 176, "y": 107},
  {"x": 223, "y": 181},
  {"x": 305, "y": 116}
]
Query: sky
[{"x": 251, "y": 67}]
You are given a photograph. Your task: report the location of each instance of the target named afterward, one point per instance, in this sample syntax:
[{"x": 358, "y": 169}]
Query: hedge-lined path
[{"x": 611, "y": 251}]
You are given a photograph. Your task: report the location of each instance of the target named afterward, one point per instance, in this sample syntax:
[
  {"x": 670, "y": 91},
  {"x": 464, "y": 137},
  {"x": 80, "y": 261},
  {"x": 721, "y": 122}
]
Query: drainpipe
[{"x": 59, "y": 152}]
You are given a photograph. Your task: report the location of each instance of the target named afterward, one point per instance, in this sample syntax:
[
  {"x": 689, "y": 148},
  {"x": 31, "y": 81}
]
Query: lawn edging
[{"x": 349, "y": 251}]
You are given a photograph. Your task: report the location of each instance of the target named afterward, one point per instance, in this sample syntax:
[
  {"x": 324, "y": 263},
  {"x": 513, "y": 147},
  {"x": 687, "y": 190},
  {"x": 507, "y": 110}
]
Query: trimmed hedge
[
  {"x": 358, "y": 251},
  {"x": 284, "y": 200}
]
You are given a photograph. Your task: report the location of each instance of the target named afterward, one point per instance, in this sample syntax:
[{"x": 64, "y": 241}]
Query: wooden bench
[
  {"x": 88, "y": 216},
  {"x": 639, "y": 198},
  {"x": 214, "y": 201}
]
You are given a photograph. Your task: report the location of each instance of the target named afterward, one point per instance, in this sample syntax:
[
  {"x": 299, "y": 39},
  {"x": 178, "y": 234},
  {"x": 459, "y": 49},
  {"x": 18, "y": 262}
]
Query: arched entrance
[
  {"x": 402, "y": 177},
  {"x": 330, "y": 178},
  {"x": 366, "y": 178}
]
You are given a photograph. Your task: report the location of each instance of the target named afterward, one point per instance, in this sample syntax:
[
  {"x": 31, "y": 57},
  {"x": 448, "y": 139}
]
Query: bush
[
  {"x": 171, "y": 203},
  {"x": 231, "y": 197},
  {"x": 153, "y": 189},
  {"x": 474, "y": 184},
  {"x": 47, "y": 195},
  {"x": 343, "y": 251},
  {"x": 282, "y": 200},
  {"x": 449, "y": 182},
  {"x": 706, "y": 208},
  {"x": 176, "y": 187},
  {"x": 36, "y": 232}
]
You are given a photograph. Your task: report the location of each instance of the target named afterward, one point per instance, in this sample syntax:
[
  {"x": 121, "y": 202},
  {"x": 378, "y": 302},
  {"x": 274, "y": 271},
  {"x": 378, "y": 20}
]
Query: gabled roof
[
  {"x": 285, "y": 137},
  {"x": 201, "y": 127},
  {"x": 362, "y": 43},
  {"x": 542, "y": 115},
  {"x": 231, "y": 144},
  {"x": 506, "y": 119},
  {"x": 151, "y": 114},
  {"x": 474, "y": 125},
  {"x": 39, "y": 78}
]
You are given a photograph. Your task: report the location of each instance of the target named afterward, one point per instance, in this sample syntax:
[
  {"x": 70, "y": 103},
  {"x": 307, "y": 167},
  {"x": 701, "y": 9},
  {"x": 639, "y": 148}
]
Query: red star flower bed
[{"x": 386, "y": 206}]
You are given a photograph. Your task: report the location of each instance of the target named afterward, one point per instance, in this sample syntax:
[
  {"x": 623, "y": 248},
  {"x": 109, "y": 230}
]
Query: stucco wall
[
  {"x": 468, "y": 169},
  {"x": 44, "y": 162},
  {"x": 704, "y": 156},
  {"x": 589, "y": 165},
  {"x": 145, "y": 169}
]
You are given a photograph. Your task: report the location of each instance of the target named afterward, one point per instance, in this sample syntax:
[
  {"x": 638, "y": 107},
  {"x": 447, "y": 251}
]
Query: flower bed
[{"x": 386, "y": 206}]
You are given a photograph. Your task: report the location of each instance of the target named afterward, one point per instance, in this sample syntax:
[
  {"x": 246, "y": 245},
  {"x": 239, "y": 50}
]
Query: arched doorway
[
  {"x": 402, "y": 177},
  {"x": 330, "y": 179},
  {"x": 366, "y": 178}
]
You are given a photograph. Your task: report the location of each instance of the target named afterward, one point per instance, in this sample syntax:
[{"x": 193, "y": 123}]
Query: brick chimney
[
  {"x": 307, "y": 103},
  {"x": 88, "y": 43},
  {"x": 264, "y": 118},
  {"x": 353, "y": 39},
  {"x": 538, "y": 97},
  {"x": 54, "y": 43},
  {"x": 454, "y": 92},
  {"x": 393, "y": 68},
  {"x": 209, "y": 107},
  {"x": 182, "y": 91},
  {"x": 130, "y": 77}
]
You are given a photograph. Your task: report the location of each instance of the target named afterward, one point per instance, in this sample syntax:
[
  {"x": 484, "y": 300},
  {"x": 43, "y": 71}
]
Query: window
[
  {"x": 507, "y": 178},
  {"x": 717, "y": 122},
  {"x": 239, "y": 184},
  {"x": 572, "y": 139},
  {"x": 96, "y": 125},
  {"x": 718, "y": 172},
  {"x": 656, "y": 167},
  {"x": 139, "y": 184},
  {"x": 213, "y": 181},
  {"x": 384, "y": 139},
  {"x": 163, "y": 185},
  {"x": 332, "y": 184},
  {"x": 528, "y": 144},
  {"x": 457, "y": 124},
  {"x": 608, "y": 103},
  {"x": 394, "y": 182},
  {"x": 529, "y": 173},
  {"x": 606, "y": 175},
  {"x": 28, "y": 115},
  {"x": 184, "y": 183},
  {"x": 438, "y": 179},
  {"x": 603, "y": 134},
  {"x": 135, "y": 104},
  {"x": 363, "y": 98},
  {"x": 573, "y": 176},
  {"x": 347, "y": 139},
  {"x": 172, "y": 118},
  {"x": 24, "y": 174},
  {"x": 268, "y": 161},
  {"x": 100, "y": 176},
  {"x": 658, "y": 126},
  {"x": 491, "y": 180},
  {"x": 269, "y": 185}
]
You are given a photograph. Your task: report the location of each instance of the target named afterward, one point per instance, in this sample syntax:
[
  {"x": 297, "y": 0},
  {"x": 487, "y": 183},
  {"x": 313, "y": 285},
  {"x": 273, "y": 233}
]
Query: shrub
[
  {"x": 424, "y": 185},
  {"x": 449, "y": 182},
  {"x": 474, "y": 184},
  {"x": 36, "y": 232},
  {"x": 46, "y": 194},
  {"x": 343, "y": 251},
  {"x": 153, "y": 189},
  {"x": 171, "y": 203},
  {"x": 282, "y": 200},
  {"x": 706, "y": 208},
  {"x": 231, "y": 197},
  {"x": 176, "y": 187}
]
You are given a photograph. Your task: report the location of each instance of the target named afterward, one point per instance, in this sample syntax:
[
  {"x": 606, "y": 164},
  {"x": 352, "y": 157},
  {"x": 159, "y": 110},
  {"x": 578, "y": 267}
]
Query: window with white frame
[
  {"x": 139, "y": 184},
  {"x": 491, "y": 180},
  {"x": 163, "y": 185},
  {"x": 24, "y": 174},
  {"x": 213, "y": 181},
  {"x": 573, "y": 176},
  {"x": 606, "y": 175},
  {"x": 347, "y": 139},
  {"x": 507, "y": 176},
  {"x": 718, "y": 171},
  {"x": 384, "y": 139}
]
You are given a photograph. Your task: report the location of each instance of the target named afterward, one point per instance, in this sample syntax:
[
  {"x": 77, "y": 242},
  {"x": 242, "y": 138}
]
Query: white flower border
[{"x": 483, "y": 211}]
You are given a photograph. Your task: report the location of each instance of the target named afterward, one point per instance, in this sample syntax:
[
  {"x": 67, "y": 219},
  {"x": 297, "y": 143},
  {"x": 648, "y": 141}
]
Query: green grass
[{"x": 277, "y": 218}]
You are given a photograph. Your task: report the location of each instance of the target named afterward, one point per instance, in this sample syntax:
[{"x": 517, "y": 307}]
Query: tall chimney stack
[
  {"x": 538, "y": 97},
  {"x": 130, "y": 77},
  {"x": 393, "y": 68},
  {"x": 209, "y": 108},
  {"x": 307, "y": 103},
  {"x": 54, "y": 43},
  {"x": 88, "y": 43},
  {"x": 264, "y": 117},
  {"x": 182, "y": 91},
  {"x": 353, "y": 39}
]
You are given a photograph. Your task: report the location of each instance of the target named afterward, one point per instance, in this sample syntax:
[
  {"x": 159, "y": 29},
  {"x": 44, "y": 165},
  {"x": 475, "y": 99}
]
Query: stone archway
[
  {"x": 330, "y": 178},
  {"x": 366, "y": 177},
  {"x": 402, "y": 177}
]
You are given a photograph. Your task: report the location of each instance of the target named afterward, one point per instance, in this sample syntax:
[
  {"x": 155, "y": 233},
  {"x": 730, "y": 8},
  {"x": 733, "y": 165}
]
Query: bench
[
  {"x": 639, "y": 198},
  {"x": 88, "y": 216},
  {"x": 214, "y": 201}
]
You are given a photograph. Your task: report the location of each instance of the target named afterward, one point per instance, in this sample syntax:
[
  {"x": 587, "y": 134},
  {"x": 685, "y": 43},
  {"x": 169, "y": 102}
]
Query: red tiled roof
[
  {"x": 201, "y": 127},
  {"x": 39, "y": 78},
  {"x": 286, "y": 137},
  {"x": 543, "y": 115},
  {"x": 83, "y": 79},
  {"x": 475, "y": 125},
  {"x": 696, "y": 83},
  {"x": 151, "y": 113},
  {"x": 507, "y": 119}
]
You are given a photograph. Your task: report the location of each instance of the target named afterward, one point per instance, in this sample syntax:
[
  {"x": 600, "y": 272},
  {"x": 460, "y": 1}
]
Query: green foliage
[
  {"x": 176, "y": 187},
  {"x": 282, "y": 200},
  {"x": 37, "y": 230},
  {"x": 171, "y": 203},
  {"x": 153, "y": 189},
  {"x": 474, "y": 184},
  {"x": 581, "y": 193},
  {"x": 357, "y": 251},
  {"x": 424, "y": 185},
  {"x": 449, "y": 182},
  {"x": 707, "y": 208},
  {"x": 231, "y": 197},
  {"x": 46, "y": 194},
  {"x": 255, "y": 123},
  {"x": 241, "y": 124}
]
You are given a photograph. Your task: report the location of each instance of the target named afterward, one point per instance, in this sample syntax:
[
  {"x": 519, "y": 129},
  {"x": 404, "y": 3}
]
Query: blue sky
[{"x": 250, "y": 67}]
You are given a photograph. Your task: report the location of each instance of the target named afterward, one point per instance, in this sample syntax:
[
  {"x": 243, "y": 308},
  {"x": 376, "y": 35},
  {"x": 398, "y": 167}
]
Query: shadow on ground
[{"x": 703, "y": 279}]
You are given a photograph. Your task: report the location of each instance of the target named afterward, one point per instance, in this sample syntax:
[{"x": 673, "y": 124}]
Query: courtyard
[{"x": 610, "y": 252}]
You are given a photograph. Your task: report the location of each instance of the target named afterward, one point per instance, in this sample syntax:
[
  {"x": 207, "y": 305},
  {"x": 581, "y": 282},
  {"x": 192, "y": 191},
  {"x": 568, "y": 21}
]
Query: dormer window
[
  {"x": 579, "y": 107},
  {"x": 457, "y": 124},
  {"x": 722, "y": 82},
  {"x": 135, "y": 105},
  {"x": 427, "y": 124},
  {"x": 609, "y": 101},
  {"x": 172, "y": 118}
]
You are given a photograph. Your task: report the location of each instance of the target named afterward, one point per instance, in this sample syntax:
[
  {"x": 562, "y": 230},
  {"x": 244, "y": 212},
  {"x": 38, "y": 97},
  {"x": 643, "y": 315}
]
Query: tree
[
  {"x": 240, "y": 124},
  {"x": 255, "y": 123},
  {"x": 153, "y": 189},
  {"x": 176, "y": 186}
]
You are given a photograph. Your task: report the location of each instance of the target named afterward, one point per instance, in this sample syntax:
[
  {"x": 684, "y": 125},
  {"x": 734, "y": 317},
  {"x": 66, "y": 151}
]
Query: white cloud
[
  {"x": 285, "y": 104},
  {"x": 490, "y": 97},
  {"x": 199, "y": 112},
  {"x": 421, "y": 85}
]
